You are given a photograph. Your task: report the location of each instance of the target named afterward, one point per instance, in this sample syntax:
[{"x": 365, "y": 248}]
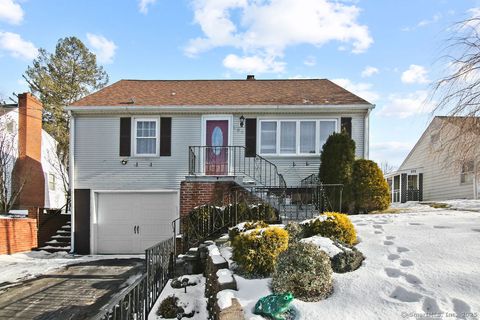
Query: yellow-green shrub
[
  {"x": 369, "y": 187},
  {"x": 333, "y": 225},
  {"x": 256, "y": 251},
  {"x": 249, "y": 225}
]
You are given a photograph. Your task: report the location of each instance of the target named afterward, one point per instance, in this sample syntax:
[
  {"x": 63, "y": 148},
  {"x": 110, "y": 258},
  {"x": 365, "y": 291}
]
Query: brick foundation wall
[
  {"x": 194, "y": 194},
  {"x": 17, "y": 235}
]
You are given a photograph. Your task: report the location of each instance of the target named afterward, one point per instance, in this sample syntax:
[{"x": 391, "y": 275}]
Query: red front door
[{"x": 216, "y": 152}]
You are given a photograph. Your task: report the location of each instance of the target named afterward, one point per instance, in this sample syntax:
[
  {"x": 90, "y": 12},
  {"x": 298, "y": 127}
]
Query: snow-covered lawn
[
  {"x": 22, "y": 266},
  {"x": 421, "y": 263}
]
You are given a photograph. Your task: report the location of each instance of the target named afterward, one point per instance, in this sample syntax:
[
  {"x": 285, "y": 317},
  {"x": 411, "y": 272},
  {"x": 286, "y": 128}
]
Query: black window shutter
[
  {"x": 250, "y": 137},
  {"x": 346, "y": 124},
  {"x": 165, "y": 136},
  {"x": 125, "y": 136}
]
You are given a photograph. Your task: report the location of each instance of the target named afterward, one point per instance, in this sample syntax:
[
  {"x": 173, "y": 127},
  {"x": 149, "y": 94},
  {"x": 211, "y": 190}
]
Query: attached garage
[{"x": 129, "y": 222}]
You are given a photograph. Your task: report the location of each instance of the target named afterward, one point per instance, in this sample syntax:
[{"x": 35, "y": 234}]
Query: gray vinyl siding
[
  {"x": 98, "y": 165},
  {"x": 438, "y": 183}
]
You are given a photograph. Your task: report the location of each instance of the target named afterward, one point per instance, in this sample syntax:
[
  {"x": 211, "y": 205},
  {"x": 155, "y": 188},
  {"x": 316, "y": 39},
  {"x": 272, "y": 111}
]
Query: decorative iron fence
[
  {"x": 233, "y": 161},
  {"x": 413, "y": 195},
  {"x": 136, "y": 302}
]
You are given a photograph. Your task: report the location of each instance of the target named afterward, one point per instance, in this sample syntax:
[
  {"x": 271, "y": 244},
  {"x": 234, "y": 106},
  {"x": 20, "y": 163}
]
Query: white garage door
[{"x": 131, "y": 222}]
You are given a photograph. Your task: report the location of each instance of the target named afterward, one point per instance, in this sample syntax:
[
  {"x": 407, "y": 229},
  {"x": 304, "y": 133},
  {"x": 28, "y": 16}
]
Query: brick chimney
[{"x": 28, "y": 171}]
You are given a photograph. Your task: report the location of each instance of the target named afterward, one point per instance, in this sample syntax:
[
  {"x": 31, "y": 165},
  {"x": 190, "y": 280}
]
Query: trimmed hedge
[
  {"x": 369, "y": 187},
  {"x": 256, "y": 251}
]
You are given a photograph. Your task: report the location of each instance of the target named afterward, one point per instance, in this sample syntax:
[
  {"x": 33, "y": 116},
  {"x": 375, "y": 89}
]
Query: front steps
[{"x": 60, "y": 242}]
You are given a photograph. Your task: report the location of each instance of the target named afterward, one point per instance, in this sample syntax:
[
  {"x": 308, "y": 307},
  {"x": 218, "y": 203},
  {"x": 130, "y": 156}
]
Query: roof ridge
[{"x": 243, "y": 80}]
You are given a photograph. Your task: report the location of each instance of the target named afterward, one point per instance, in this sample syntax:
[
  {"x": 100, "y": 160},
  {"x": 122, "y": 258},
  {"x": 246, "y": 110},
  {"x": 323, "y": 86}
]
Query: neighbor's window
[
  {"x": 327, "y": 127},
  {"x": 268, "y": 137},
  {"x": 412, "y": 182},
  {"x": 288, "y": 137},
  {"x": 466, "y": 175},
  {"x": 307, "y": 136},
  {"x": 146, "y": 137},
  {"x": 51, "y": 181}
]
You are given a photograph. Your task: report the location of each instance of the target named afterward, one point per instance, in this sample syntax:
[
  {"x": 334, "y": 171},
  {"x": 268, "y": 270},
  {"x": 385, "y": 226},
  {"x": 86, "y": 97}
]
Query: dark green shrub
[
  {"x": 305, "y": 271},
  {"x": 336, "y": 166},
  {"x": 369, "y": 187},
  {"x": 347, "y": 260},
  {"x": 256, "y": 251},
  {"x": 169, "y": 308},
  {"x": 333, "y": 225}
]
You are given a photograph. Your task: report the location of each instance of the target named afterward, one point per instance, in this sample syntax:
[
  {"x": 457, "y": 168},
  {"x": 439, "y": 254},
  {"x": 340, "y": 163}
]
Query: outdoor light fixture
[
  {"x": 242, "y": 121},
  {"x": 124, "y": 161}
]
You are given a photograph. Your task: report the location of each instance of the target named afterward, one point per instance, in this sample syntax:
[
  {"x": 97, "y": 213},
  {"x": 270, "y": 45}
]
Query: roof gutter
[{"x": 219, "y": 108}]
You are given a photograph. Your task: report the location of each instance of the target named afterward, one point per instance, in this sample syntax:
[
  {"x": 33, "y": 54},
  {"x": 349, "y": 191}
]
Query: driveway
[{"x": 75, "y": 292}]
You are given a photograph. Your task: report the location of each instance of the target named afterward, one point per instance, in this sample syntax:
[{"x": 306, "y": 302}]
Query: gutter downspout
[
  {"x": 72, "y": 179},
  {"x": 366, "y": 137}
]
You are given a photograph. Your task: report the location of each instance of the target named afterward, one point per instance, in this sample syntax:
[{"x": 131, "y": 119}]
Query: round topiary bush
[
  {"x": 305, "y": 271},
  {"x": 256, "y": 251},
  {"x": 369, "y": 187},
  {"x": 333, "y": 225},
  {"x": 169, "y": 308}
]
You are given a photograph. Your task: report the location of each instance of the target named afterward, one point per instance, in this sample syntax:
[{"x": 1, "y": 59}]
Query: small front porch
[{"x": 406, "y": 185}]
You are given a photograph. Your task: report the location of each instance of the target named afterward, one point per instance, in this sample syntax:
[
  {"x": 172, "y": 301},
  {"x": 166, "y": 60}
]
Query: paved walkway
[{"x": 76, "y": 292}]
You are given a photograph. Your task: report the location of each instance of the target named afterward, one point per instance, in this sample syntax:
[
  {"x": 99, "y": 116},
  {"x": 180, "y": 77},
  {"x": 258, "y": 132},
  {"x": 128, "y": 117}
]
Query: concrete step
[{"x": 53, "y": 249}]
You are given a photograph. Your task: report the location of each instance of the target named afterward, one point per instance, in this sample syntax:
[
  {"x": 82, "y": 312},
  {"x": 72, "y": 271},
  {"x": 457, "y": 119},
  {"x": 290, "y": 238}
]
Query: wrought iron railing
[
  {"x": 209, "y": 221},
  {"x": 136, "y": 302},
  {"x": 233, "y": 161},
  {"x": 413, "y": 195}
]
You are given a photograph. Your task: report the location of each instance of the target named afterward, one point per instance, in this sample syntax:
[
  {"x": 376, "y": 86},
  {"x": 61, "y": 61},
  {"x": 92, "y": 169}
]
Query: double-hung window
[
  {"x": 146, "y": 137},
  {"x": 295, "y": 137}
]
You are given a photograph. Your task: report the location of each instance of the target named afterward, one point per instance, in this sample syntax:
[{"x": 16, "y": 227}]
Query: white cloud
[
  {"x": 404, "y": 106},
  {"x": 103, "y": 48},
  {"x": 415, "y": 74},
  {"x": 16, "y": 46},
  {"x": 310, "y": 61},
  {"x": 369, "y": 71},
  {"x": 361, "y": 89},
  {"x": 394, "y": 152},
  {"x": 144, "y": 4},
  {"x": 10, "y": 12},
  {"x": 252, "y": 64},
  {"x": 267, "y": 28},
  {"x": 425, "y": 22}
]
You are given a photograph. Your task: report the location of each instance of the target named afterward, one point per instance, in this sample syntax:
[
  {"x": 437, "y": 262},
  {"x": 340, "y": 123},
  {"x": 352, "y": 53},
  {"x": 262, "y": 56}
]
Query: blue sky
[{"x": 386, "y": 51}]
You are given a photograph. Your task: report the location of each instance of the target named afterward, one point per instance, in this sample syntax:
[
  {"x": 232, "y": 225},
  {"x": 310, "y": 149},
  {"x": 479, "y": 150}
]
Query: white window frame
[
  {"x": 466, "y": 177},
  {"x": 318, "y": 148},
  {"x": 157, "y": 136}
]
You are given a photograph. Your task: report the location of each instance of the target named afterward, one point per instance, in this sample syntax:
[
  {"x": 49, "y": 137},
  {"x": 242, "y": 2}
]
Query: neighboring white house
[
  {"x": 54, "y": 190},
  {"x": 428, "y": 173},
  {"x": 134, "y": 142}
]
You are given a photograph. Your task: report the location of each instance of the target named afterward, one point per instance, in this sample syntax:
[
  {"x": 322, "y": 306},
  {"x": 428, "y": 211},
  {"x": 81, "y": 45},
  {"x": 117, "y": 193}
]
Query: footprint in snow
[
  {"x": 443, "y": 227},
  {"x": 388, "y": 243},
  {"x": 461, "y": 308},
  {"x": 402, "y": 294},
  {"x": 395, "y": 273},
  {"x": 406, "y": 263},
  {"x": 415, "y": 223},
  {"x": 402, "y": 249},
  {"x": 361, "y": 224},
  {"x": 430, "y": 305},
  {"x": 393, "y": 257},
  {"x": 377, "y": 226},
  {"x": 476, "y": 230},
  {"x": 378, "y": 232},
  {"x": 390, "y": 237}
]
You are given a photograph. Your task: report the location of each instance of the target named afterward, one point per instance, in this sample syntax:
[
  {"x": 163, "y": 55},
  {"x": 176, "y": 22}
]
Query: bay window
[{"x": 295, "y": 137}]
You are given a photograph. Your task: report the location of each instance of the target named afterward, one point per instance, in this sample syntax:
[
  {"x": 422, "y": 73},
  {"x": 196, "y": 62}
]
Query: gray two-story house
[{"x": 135, "y": 141}]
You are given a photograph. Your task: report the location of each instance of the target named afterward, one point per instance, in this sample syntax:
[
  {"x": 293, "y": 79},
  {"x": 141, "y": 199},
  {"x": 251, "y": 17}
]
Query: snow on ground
[
  {"x": 22, "y": 266},
  {"x": 193, "y": 300},
  {"x": 423, "y": 263},
  {"x": 463, "y": 204}
]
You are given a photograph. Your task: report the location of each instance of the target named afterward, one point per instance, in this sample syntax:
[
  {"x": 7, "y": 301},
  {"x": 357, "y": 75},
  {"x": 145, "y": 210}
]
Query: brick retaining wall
[{"x": 17, "y": 235}]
